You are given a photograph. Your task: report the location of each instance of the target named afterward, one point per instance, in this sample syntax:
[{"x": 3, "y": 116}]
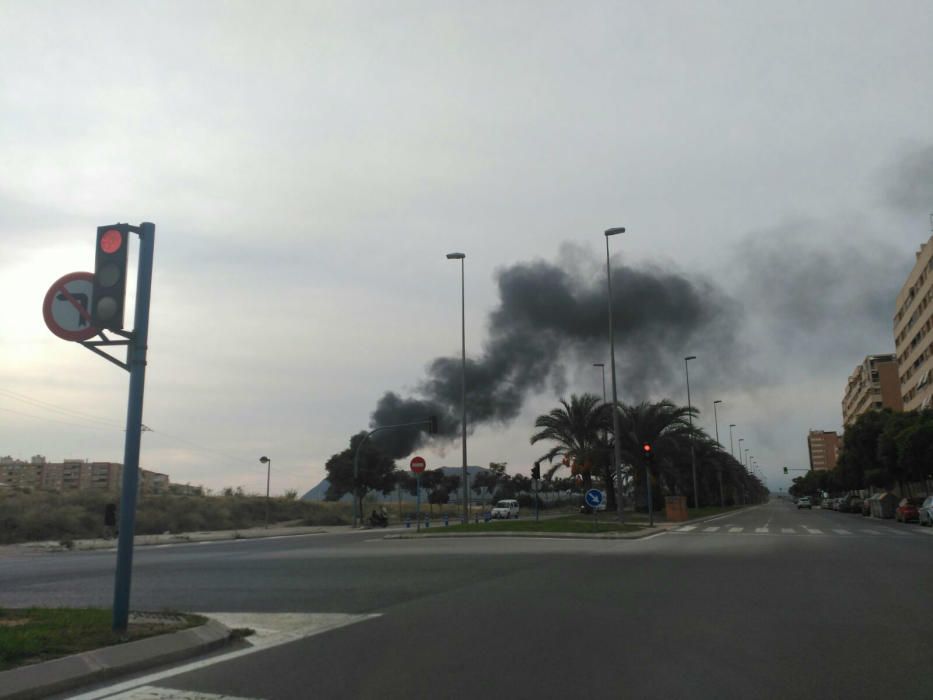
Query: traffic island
[{"x": 45, "y": 651}]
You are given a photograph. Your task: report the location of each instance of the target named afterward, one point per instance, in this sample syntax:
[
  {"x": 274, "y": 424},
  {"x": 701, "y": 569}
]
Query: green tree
[{"x": 376, "y": 471}]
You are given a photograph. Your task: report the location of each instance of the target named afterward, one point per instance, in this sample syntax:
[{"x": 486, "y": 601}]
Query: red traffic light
[
  {"x": 646, "y": 447},
  {"x": 111, "y": 240}
]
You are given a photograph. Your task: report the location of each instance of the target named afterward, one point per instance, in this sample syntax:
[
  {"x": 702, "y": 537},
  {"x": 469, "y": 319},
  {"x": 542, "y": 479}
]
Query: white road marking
[
  {"x": 686, "y": 528},
  {"x": 788, "y": 530},
  {"x": 814, "y": 531},
  {"x": 842, "y": 532},
  {"x": 161, "y": 546},
  {"x": 151, "y": 692},
  {"x": 762, "y": 530},
  {"x": 711, "y": 529},
  {"x": 898, "y": 532},
  {"x": 271, "y": 630},
  {"x": 736, "y": 529}
]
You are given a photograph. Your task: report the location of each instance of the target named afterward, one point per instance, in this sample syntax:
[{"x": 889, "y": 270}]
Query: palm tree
[{"x": 579, "y": 428}]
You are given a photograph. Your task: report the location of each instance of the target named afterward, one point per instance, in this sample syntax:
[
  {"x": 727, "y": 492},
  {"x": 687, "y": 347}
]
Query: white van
[{"x": 505, "y": 509}]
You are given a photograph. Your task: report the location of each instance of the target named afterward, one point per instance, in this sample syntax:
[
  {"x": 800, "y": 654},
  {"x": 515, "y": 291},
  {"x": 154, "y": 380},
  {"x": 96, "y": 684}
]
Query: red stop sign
[{"x": 417, "y": 464}]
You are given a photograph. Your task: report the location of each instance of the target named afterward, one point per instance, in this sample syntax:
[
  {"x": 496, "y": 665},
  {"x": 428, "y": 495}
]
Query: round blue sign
[{"x": 594, "y": 498}]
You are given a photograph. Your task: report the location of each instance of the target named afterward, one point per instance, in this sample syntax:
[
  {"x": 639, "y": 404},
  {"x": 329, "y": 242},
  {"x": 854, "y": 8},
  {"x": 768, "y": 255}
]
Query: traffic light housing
[
  {"x": 432, "y": 425},
  {"x": 646, "y": 451},
  {"x": 536, "y": 471},
  {"x": 785, "y": 470},
  {"x": 110, "y": 260}
]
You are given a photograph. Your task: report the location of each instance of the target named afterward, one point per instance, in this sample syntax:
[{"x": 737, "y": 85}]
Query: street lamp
[
  {"x": 466, "y": 505},
  {"x": 731, "y": 444},
  {"x": 617, "y": 448},
  {"x": 746, "y": 458},
  {"x": 268, "y": 462},
  {"x": 741, "y": 440},
  {"x": 722, "y": 498},
  {"x": 602, "y": 366},
  {"x": 693, "y": 459}
]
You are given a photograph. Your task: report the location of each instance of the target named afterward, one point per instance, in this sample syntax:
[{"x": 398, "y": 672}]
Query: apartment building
[
  {"x": 873, "y": 384},
  {"x": 823, "y": 446},
  {"x": 913, "y": 343},
  {"x": 75, "y": 475}
]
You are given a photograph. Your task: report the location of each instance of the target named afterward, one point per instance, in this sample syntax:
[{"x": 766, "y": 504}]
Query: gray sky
[{"x": 308, "y": 165}]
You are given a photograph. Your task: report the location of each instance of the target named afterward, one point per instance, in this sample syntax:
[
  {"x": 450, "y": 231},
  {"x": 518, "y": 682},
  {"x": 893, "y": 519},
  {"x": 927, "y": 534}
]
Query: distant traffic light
[
  {"x": 536, "y": 471},
  {"x": 432, "y": 425},
  {"x": 110, "y": 277},
  {"x": 646, "y": 450},
  {"x": 785, "y": 470}
]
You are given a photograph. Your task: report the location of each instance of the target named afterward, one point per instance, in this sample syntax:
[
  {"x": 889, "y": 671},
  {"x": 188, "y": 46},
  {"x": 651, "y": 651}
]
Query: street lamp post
[
  {"x": 465, "y": 477},
  {"x": 693, "y": 458},
  {"x": 602, "y": 366},
  {"x": 617, "y": 448},
  {"x": 746, "y": 458},
  {"x": 731, "y": 444},
  {"x": 268, "y": 462},
  {"x": 722, "y": 498}
]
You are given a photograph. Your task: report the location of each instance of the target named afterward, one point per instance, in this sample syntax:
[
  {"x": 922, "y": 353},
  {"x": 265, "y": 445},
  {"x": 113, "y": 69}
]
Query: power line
[{"x": 69, "y": 412}]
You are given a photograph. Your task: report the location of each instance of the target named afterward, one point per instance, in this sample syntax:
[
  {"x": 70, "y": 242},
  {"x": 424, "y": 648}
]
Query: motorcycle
[{"x": 376, "y": 520}]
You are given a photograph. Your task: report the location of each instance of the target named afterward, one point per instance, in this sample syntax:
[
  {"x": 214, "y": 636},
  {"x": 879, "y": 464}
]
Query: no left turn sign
[{"x": 67, "y": 304}]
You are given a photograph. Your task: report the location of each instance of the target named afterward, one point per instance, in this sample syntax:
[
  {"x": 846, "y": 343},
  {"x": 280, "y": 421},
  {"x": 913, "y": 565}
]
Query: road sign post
[
  {"x": 417, "y": 465},
  {"x": 594, "y": 499}
]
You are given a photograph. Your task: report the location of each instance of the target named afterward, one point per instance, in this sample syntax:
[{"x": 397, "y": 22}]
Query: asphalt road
[{"x": 767, "y": 603}]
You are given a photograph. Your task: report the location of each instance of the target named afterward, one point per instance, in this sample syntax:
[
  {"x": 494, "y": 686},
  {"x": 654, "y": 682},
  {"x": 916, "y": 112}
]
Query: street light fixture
[
  {"x": 693, "y": 459},
  {"x": 722, "y": 498},
  {"x": 465, "y": 476},
  {"x": 602, "y": 366},
  {"x": 731, "y": 444},
  {"x": 268, "y": 462},
  {"x": 617, "y": 448}
]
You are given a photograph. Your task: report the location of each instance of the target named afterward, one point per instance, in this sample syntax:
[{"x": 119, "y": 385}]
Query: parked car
[
  {"x": 925, "y": 511},
  {"x": 866, "y": 506},
  {"x": 851, "y": 504},
  {"x": 804, "y": 502},
  {"x": 505, "y": 510},
  {"x": 908, "y": 509}
]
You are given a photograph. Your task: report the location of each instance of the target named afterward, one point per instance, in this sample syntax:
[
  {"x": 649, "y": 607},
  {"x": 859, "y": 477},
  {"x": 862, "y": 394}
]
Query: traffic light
[
  {"x": 110, "y": 277},
  {"x": 785, "y": 470},
  {"x": 536, "y": 471},
  {"x": 646, "y": 450},
  {"x": 432, "y": 425}
]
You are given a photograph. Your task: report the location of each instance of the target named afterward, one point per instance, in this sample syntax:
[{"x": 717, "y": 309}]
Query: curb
[
  {"x": 69, "y": 672},
  {"x": 647, "y": 532}
]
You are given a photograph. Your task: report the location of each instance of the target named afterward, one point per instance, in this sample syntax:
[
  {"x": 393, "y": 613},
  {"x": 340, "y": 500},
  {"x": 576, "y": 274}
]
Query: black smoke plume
[{"x": 550, "y": 314}]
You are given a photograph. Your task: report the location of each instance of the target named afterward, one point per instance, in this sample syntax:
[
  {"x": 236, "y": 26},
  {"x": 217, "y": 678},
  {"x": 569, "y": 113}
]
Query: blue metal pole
[{"x": 136, "y": 359}]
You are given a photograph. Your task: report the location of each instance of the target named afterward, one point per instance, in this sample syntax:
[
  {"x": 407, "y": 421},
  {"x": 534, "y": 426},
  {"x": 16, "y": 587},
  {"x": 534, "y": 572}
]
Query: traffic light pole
[{"x": 136, "y": 361}]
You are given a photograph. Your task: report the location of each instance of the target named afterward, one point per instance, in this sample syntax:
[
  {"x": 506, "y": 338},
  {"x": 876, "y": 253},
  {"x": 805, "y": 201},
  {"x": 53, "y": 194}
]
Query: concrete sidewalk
[{"x": 70, "y": 672}]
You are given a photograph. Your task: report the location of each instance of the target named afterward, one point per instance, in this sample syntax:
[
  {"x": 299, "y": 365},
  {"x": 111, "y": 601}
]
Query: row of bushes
[{"x": 40, "y": 515}]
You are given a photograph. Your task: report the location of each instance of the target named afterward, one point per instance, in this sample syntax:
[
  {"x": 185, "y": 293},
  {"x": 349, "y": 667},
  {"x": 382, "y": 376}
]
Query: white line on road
[
  {"x": 151, "y": 692},
  {"x": 814, "y": 531},
  {"x": 736, "y": 529},
  {"x": 762, "y": 530},
  {"x": 842, "y": 532},
  {"x": 686, "y": 528},
  {"x": 711, "y": 529},
  {"x": 788, "y": 530}
]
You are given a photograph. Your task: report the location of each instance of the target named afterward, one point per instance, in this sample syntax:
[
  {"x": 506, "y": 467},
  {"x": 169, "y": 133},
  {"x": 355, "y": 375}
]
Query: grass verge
[
  {"x": 568, "y": 523},
  {"x": 32, "y": 635}
]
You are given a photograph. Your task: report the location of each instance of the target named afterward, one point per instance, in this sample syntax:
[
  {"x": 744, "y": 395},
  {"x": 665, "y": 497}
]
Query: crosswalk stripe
[
  {"x": 842, "y": 532},
  {"x": 788, "y": 530},
  {"x": 762, "y": 530},
  {"x": 736, "y": 529},
  {"x": 711, "y": 529},
  {"x": 814, "y": 531},
  {"x": 686, "y": 528}
]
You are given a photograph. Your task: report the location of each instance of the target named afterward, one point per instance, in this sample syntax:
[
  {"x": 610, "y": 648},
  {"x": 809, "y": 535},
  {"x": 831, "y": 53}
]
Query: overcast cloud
[{"x": 308, "y": 166}]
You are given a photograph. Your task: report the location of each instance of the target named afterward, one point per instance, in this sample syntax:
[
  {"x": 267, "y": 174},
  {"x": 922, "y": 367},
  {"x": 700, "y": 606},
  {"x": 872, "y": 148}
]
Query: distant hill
[{"x": 318, "y": 492}]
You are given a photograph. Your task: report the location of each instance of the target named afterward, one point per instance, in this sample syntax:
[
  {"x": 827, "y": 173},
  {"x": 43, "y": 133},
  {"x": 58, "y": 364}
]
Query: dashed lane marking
[
  {"x": 686, "y": 528},
  {"x": 736, "y": 529},
  {"x": 762, "y": 530},
  {"x": 711, "y": 529}
]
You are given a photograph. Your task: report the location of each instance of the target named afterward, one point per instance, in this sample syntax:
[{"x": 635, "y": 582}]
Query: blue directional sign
[{"x": 594, "y": 498}]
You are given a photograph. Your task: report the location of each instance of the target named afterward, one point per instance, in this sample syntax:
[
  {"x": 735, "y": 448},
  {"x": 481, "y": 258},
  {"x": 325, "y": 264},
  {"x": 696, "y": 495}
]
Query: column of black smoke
[{"x": 552, "y": 313}]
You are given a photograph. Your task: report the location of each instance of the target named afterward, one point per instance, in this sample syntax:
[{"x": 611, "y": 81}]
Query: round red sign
[{"x": 417, "y": 464}]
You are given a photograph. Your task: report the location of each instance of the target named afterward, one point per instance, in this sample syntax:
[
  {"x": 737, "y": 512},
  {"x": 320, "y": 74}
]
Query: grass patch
[
  {"x": 31, "y": 635},
  {"x": 568, "y": 523}
]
